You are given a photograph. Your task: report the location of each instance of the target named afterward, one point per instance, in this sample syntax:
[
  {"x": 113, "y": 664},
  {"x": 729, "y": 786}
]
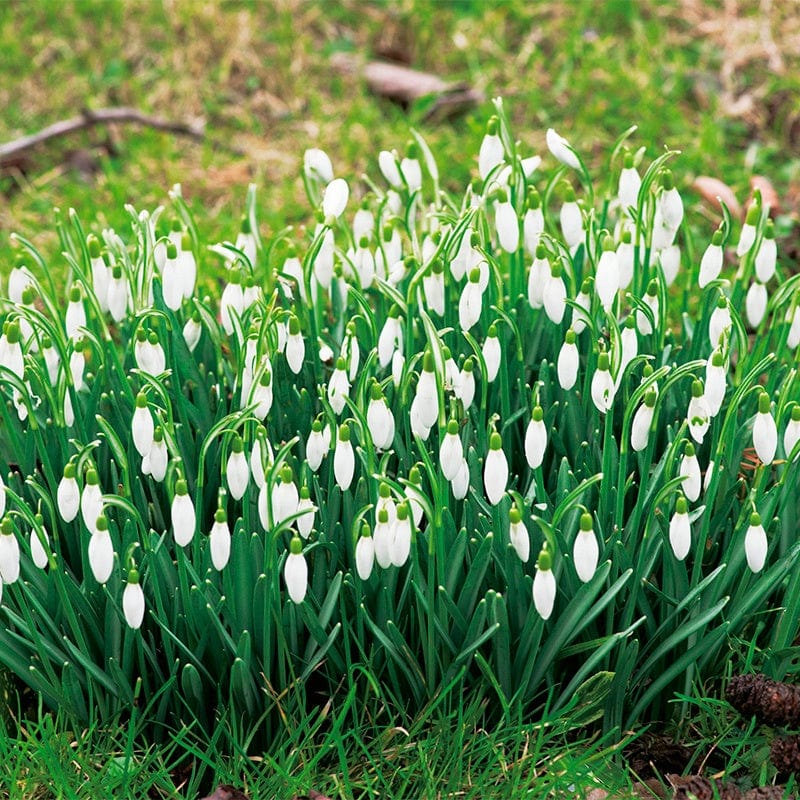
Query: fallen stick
[{"x": 10, "y": 152}]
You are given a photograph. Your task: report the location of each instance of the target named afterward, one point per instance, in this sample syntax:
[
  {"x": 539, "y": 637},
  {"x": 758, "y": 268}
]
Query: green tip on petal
[
  {"x": 652, "y": 288},
  {"x": 296, "y": 546},
  {"x": 141, "y": 400},
  {"x": 446, "y": 354},
  {"x": 452, "y": 427},
  {"x": 753, "y": 214},
  {"x": 668, "y": 180},
  {"x": 569, "y": 194},
  {"x": 181, "y": 488},
  {"x": 495, "y": 441},
  {"x": 316, "y": 426},
  {"x": 305, "y": 494},
  {"x": 102, "y": 523},
  {"x": 469, "y": 364},
  {"x": 340, "y": 365},
  {"x": 75, "y": 293},
  {"x": 627, "y": 160},
  {"x": 716, "y": 358},
  {"x": 755, "y": 520},
  {"x": 491, "y": 126},
  {"x": 94, "y": 247},
  {"x": 375, "y": 392},
  {"x": 416, "y": 478},
  {"x": 492, "y": 332},
  {"x": 697, "y": 388},
  {"x": 538, "y": 414},
  {"x": 363, "y": 242},
  {"x": 402, "y": 511},
  {"x": 474, "y": 275},
  {"x": 541, "y": 251},
  {"x": 237, "y": 445},
  {"x": 716, "y": 239},
  {"x": 681, "y": 506},
  {"x": 158, "y": 434},
  {"x": 608, "y": 244},
  {"x": 7, "y": 526},
  {"x": 545, "y": 560},
  {"x": 650, "y": 398},
  {"x": 689, "y": 449},
  {"x": 141, "y": 335},
  {"x": 383, "y": 516},
  {"x": 220, "y": 515},
  {"x": 514, "y": 517},
  {"x": 586, "y": 521},
  {"x": 603, "y": 362},
  {"x": 133, "y": 576},
  {"x": 294, "y": 325},
  {"x": 722, "y": 301},
  {"x": 287, "y": 475},
  {"x": 344, "y": 433},
  {"x": 763, "y": 403},
  {"x": 586, "y": 286},
  {"x": 796, "y": 414},
  {"x": 172, "y": 250},
  {"x": 428, "y": 362},
  {"x": 91, "y": 477},
  {"x": 769, "y": 229},
  {"x": 69, "y": 471},
  {"x": 366, "y": 531},
  {"x": 570, "y": 337}
]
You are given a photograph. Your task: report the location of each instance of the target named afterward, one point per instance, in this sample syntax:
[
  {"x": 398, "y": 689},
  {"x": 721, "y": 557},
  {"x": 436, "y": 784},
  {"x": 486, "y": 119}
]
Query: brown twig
[{"x": 11, "y": 151}]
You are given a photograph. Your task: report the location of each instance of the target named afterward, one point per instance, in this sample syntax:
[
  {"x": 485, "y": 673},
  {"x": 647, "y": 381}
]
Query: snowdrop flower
[
  {"x": 68, "y": 495},
  {"x": 391, "y": 337},
  {"x": 383, "y": 538},
  {"x": 602, "y": 388},
  {"x": 625, "y": 260},
  {"x": 344, "y": 462},
  {"x": 19, "y": 279},
  {"x": 571, "y": 219},
  {"x": 584, "y": 304},
  {"x": 262, "y": 396},
  {"x": 52, "y": 359},
  {"x": 748, "y": 235},
  {"x": 295, "y": 346},
  {"x": 715, "y": 382},
  {"x": 426, "y": 398},
  {"x": 219, "y": 540},
  {"x": 171, "y": 279},
  {"x": 460, "y": 484},
  {"x": 3, "y": 498},
  {"x": 670, "y": 260},
  {"x": 643, "y": 322},
  {"x": 518, "y": 534},
  {"x": 630, "y": 346},
  {"x": 133, "y": 601},
  {"x": 506, "y": 223},
  {"x": 495, "y": 470},
  {"x": 400, "y": 547},
  {"x": 323, "y": 263},
  {"x": 9, "y": 552},
  {"x": 642, "y": 420},
  {"x": 471, "y": 303},
  {"x": 433, "y": 288},
  {"x": 755, "y": 544},
  {"x": 155, "y": 462},
  {"x": 285, "y": 498},
  {"x": 532, "y": 221},
  {"x": 793, "y": 318},
  {"x": 246, "y": 242},
  {"x": 295, "y": 571},
  {"x": 118, "y": 294},
  {"x": 629, "y": 184},
  {"x": 410, "y": 168},
  {"x": 670, "y": 202},
  {"x": 568, "y": 360},
  {"x": 535, "y": 439},
  {"x": 452, "y": 376},
  {"x": 77, "y": 363},
  {"x": 142, "y": 426},
  {"x": 389, "y": 252},
  {"x": 465, "y": 388},
  {"x": 562, "y": 149},
  {"x": 100, "y": 272},
  {"x": 39, "y": 539},
  {"x": 538, "y": 276},
  {"x": 335, "y": 200},
  {"x": 606, "y": 281},
  {"x": 491, "y": 353},
  {"x": 101, "y": 551},
  {"x": 689, "y": 470},
  {"x": 698, "y": 416},
  {"x": 307, "y": 509},
  {"x": 680, "y": 534},
  {"x": 491, "y": 154},
  {"x": 720, "y": 322},
  {"x": 708, "y": 476},
  {"x": 554, "y": 294},
  {"x": 237, "y": 471},
  {"x": 316, "y": 446},
  {"x": 256, "y": 461},
  {"x": 414, "y": 496},
  {"x": 351, "y": 352},
  {"x": 232, "y": 301},
  {"x": 711, "y": 262},
  {"x": 390, "y": 168},
  {"x": 380, "y": 419},
  {"x": 585, "y": 551},
  {"x": 192, "y": 330},
  {"x": 765, "y": 432},
  {"x": 386, "y": 503},
  {"x": 365, "y": 553},
  {"x": 91, "y": 500},
  {"x": 338, "y": 387},
  {"x": 187, "y": 266},
  {"x": 767, "y": 254},
  {"x": 451, "y": 451},
  {"x": 317, "y": 165},
  {"x": 149, "y": 353},
  {"x": 756, "y": 303},
  {"x": 184, "y": 519},
  {"x": 544, "y": 584},
  {"x": 76, "y": 314},
  {"x": 791, "y": 435}
]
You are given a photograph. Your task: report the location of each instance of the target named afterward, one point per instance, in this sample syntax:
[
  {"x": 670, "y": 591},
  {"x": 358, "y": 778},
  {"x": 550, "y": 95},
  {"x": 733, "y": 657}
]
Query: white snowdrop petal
[{"x": 133, "y": 605}]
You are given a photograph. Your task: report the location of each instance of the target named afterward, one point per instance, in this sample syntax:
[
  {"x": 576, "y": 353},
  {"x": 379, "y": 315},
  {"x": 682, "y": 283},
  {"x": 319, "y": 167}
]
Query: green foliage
[{"x": 222, "y": 645}]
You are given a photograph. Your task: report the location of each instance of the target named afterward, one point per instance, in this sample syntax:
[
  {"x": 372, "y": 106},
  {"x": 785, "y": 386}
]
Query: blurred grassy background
[{"x": 718, "y": 80}]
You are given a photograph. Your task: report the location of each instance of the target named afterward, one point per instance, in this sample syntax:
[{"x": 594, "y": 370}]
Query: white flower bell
[
  {"x": 192, "y": 331},
  {"x": 101, "y": 551},
  {"x": 518, "y": 534},
  {"x": 380, "y": 419},
  {"x": 506, "y": 223},
  {"x": 172, "y": 279},
  {"x": 650, "y": 299},
  {"x": 75, "y": 318},
  {"x": 451, "y": 451},
  {"x": 383, "y": 538},
  {"x": 295, "y": 571},
  {"x": 711, "y": 262},
  {"x": 602, "y": 388},
  {"x": 544, "y": 584},
  {"x": 606, "y": 281},
  {"x": 491, "y": 154},
  {"x": 537, "y": 277},
  {"x": 91, "y": 500},
  {"x": 317, "y": 165},
  {"x": 232, "y": 301},
  {"x": 689, "y": 470},
  {"x": 715, "y": 382},
  {"x": 39, "y": 540},
  {"x": 568, "y": 361},
  {"x": 680, "y": 534},
  {"x": 571, "y": 219},
  {"x": 344, "y": 460},
  {"x": 307, "y": 510},
  {"x": 629, "y": 184},
  {"x": 536, "y": 438},
  {"x": 585, "y": 551},
  {"x": 748, "y": 235},
  {"x": 584, "y": 304},
  {"x": 755, "y": 544},
  {"x": 68, "y": 494},
  {"x": 316, "y": 446},
  {"x": 765, "y": 432},
  {"x": 365, "y": 553},
  {"x": 400, "y": 547},
  {"x": 391, "y": 337},
  {"x": 142, "y": 426},
  {"x": 698, "y": 415},
  {"x": 554, "y": 293},
  {"x": 470, "y": 304},
  {"x": 237, "y": 471},
  {"x": 767, "y": 254},
  {"x": 338, "y": 387},
  {"x": 219, "y": 540},
  {"x": 295, "y": 346},
  {"x": 791, "y": 435},
  {"x": 184, "y": 518},
  {"x": 756, "y": 303},
  {"x": 285, "y": 497},
  {"x": 334, "y": 201},
  {"x": 492, "y": 353},
  {"x": 532, "y": 221},
  {"x": 155, "y": 462},
  {"x": 642, "y": 420},
  {"x": 495, "y": 470},
  {"x": 562, "y": 149},
  {"x": 9, "y": 552},
  {"x": 133, "y": 601}
]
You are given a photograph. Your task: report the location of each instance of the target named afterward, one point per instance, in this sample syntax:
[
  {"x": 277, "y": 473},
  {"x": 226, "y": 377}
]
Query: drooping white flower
[
  {"x": 767, "y": 254},
  {"x": 585, "y": 551},
  {"x": 470, "y": 304},
  {"x": 669, "y": 260},
  {"x": 765, "y": 432},
  {"x": 491, "y": 353},
  {"x": 316, "y": 446},
  {"x": 183, "y": 515},
  {"x": 295, "y": 571},
  {"x": 698, "y": 416},
  {"x": 554, "y": 293},
  {"x": 246, "y": 242},
  {"x": 317, "y": 165},
  {"x": 495, "y": 470},
  {"x": 568, "y": 361},
  {"x": 518, "y": 534},
  {"x": 642, "y": 420},
  {"x": 606, "y": 281},
  {"x": 711, "y": 262},
  {"x": 708, "y": 476},
  {"x": 391, "y": 337},
  {"x": 433, "y": 288},
  {"x": 793, "y": 318},
  {"x": 400, "y": 547},
  {"x": 76, "y": 314},
  {"x": 507, "y": 224},
  {"x": 148, "y": 353},
  {"x": 756, "y": 303},
  {"x": 295, "y": 346},
  {"x": 101, "y": 551},
  {"x": 460, "y": 484},
  {"x": 670, "y": 202},
  {"x": 411, "y": 169},
  {"x": 192, "y": 331},
  {"x": 629, "y": 184},
  {"x": 133, "y": 601},
  {"x": 791, "y": 435},
  {"x": 380, "y": 419},
  {"x": 100, "y": 272},
  {"x": 68, "y": 495},
  {"x": 584, "y": 304},
  {"x": 643, "y": 322},
  {"x": 39, "y": 539},
  {"x": 571, "y": 219},
  {"x": 535, "y": 438},
  {"x": 334, "y": 201},
  {"x": 630, "y": 347},
  {"x": 689, "y": 470},
  {"x": 539, "y": 272},
  {"x": 91, "y": 500},
  {"x": 187, "y": 266},
  {"x": 219, "y": 540},
  {"x": 680, "y": 534},
  {"x": 285, "y": 497},
  {"x": 465, "y": 386},
  {"x": 755, "y": 544},
  {"x": 389, "y": 166},
  {"x": 324, "y": 261},
  {"x": 414, "y": 495},
  {"x": 9, "y": 552},
  {"x": 427, "y": 395},
  {"x": 491, "y": 154},
  {"x": 307, "y": 510},
  {"x": 52, "y": 359},
  {"x": 338, "y": 387},
  {"x": 262, "y": 395},
  {"x": 237, "y": 471},
  {"x": 172, "y": 279},
  {"x": 602, "y": 388},
  {"x": 158, "y": 457},
  {"x": 386, "y": 503},
  {"x": 626, "y": 257},
  {"x": 562, "y": 149},
  {"x": 719, "y": 323},
  {"x": 715, "y": 382},
  {"x": 344, "y": 461},
  {"x": 748, "y": 235},
  {"x": 451, "y": 451},
  {"x": 544, "y": 585},
  {"x": 142, "y": 426},
  {"x": 18, "y": 280},
  {"x": 532, "y": 222},
  {"x": 231, "y": 304}
]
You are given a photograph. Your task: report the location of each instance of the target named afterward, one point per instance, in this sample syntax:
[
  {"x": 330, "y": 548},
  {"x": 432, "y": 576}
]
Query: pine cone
[
  {"x": 767, "y": 793},
  {"x": 695, "y": 787},
  {"x": 785, "y": 755},
  {"x": 771, "y": 702}
]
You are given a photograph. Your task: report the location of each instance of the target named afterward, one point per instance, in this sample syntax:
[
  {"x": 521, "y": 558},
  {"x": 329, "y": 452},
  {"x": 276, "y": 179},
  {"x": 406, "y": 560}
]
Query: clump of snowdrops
[{"x": 532, "y": 439}]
